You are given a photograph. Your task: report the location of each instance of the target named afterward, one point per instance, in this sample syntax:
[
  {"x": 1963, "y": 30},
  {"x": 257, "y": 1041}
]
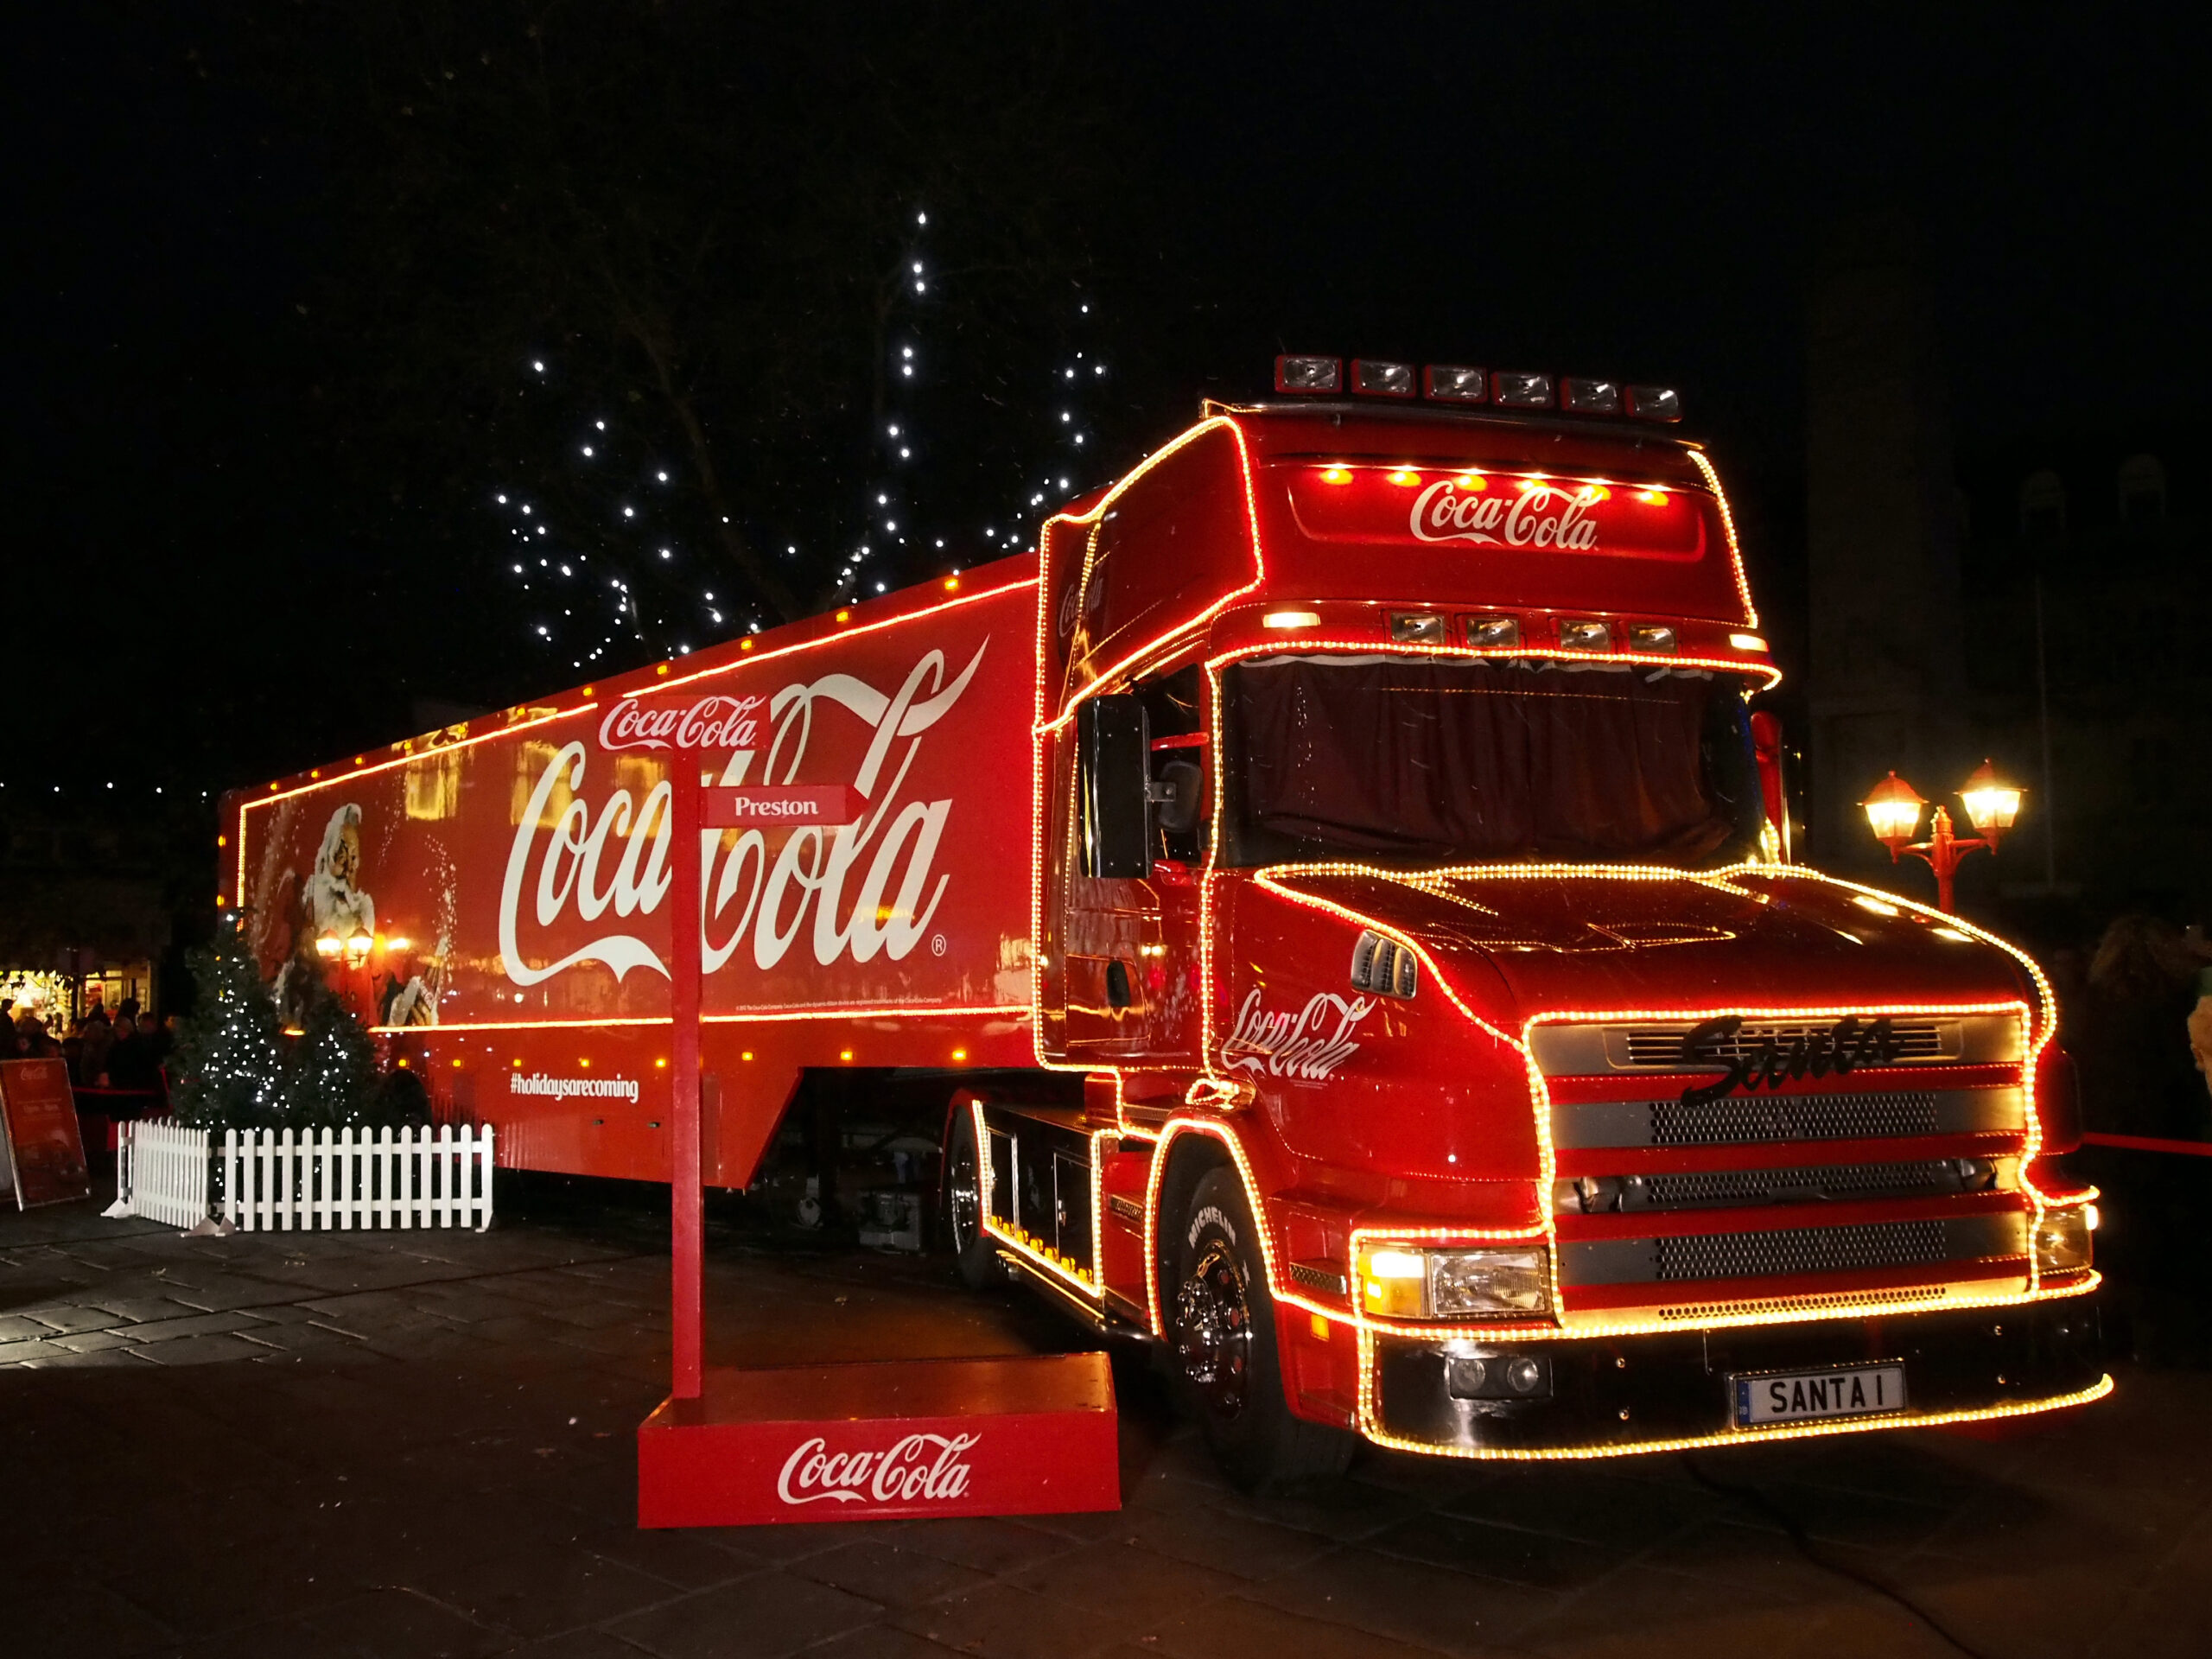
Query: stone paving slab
[{"x": 408, "y": 1444}]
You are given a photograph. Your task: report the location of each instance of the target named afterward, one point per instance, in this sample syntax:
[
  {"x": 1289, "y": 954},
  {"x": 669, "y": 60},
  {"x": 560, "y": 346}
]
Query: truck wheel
[
  {"x": 1223, "y": 1332},
  {"x": 978, "y": 1258}
]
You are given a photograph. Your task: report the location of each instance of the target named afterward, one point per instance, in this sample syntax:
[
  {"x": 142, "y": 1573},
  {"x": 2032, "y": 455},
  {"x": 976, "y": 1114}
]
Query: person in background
[
  {"x": 2200, "y": 1025},
  {"x": 2139, "y": 1075},
  {"x": 129, "y": 1059},
  {"x": 92, "y": 1057}
]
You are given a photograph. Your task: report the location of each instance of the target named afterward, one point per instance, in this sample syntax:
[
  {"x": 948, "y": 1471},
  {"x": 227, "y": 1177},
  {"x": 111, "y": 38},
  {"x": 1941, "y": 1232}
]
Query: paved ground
[{"x": 420, "y": 1443}]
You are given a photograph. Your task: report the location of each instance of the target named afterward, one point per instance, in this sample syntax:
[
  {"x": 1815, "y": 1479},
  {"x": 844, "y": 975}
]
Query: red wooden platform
[{"x": 1031, "y": 1434}]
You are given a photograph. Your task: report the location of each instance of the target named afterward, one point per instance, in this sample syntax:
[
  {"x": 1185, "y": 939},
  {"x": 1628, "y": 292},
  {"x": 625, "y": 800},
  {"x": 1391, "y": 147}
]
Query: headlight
[
  {"x": 1415, "y": 1282},
  {"x": 2062, "y": 1238}
]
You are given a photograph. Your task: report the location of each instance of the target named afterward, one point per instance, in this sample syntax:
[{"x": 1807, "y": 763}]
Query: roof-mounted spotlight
[
  {"x": 1580, "y": 395},
  {"x": 1309, "y": 374},
  {"x": 1452, "y": 384},
  {"x": 1514, "y": 389},
  {"x": 1372, "y": 380},
  {"x": 1654, "y": 404}
]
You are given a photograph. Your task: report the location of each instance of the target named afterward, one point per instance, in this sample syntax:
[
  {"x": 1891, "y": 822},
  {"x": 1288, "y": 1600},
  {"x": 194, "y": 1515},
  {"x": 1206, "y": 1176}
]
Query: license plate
[{"x": 1764, "y": 1397}]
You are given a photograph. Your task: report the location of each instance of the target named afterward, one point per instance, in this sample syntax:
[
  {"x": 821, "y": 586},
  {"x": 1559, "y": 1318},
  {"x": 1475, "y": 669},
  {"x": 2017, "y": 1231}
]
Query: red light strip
[
  {"x": 1304, "y": 644},
  {"x": 899, "y": 620},
  {"x": 1727, "y": 523},
  {"x": 1007, "y": 1010}
]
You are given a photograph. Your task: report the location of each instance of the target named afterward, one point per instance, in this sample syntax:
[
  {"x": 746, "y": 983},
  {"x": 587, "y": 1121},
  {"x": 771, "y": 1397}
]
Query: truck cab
[{"x": 1466, "y": 1066}]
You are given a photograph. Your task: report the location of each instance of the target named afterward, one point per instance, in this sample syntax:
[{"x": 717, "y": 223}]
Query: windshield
[{"x": 1404, "y": 761}]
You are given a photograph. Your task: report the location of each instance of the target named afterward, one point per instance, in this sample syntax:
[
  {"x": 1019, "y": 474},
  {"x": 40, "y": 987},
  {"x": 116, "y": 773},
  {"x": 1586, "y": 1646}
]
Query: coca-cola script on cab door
[
  {"x": 710, "y": 723},
  {"x": 1305, "y": 1045},
  {"x": 920, "y": 1468},
  {"x": 1535, "y": 514}
]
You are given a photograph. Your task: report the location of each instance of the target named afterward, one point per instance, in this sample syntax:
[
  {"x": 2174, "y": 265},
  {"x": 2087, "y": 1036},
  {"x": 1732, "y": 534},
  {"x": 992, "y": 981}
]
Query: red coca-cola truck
[{"x": 1341, "y": 889}]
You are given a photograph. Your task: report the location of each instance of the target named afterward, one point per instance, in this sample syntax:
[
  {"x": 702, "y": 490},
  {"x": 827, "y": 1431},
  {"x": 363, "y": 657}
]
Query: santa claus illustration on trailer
[{"x": 336, "y": 921}]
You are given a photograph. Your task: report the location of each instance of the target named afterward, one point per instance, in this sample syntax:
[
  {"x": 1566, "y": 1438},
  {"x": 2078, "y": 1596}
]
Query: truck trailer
[{"x": 1341, "y": 885}]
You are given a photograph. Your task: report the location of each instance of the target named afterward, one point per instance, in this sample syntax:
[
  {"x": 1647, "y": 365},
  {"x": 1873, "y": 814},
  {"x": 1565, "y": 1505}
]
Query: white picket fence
[
  {"x": 329, "y": 1179},
  {"x": 323, "y": 1178},
  {"x": 161, "y": 1173}
]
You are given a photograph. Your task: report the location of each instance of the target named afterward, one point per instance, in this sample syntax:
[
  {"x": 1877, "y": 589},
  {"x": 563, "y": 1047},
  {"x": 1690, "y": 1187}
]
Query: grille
[
  {"x": 1742, "y": 1118},
  {"x": 1915, "y": 1039},
  {"x": 1795, "y": 1185},
  {"x": 1809, "y": 1249}
]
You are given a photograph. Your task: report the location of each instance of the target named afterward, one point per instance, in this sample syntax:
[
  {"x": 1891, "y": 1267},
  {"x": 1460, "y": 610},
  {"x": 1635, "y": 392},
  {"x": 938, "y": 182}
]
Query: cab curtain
[{"x": 1462, "y": 762}]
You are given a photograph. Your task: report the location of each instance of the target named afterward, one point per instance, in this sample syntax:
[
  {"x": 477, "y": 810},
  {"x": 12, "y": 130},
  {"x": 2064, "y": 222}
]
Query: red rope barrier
[{"x": 2144, "y": 1143}]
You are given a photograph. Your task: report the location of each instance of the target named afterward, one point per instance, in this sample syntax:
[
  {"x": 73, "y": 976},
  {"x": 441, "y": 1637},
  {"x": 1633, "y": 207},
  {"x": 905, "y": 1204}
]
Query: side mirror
[{"x": 1114, "y": 750}]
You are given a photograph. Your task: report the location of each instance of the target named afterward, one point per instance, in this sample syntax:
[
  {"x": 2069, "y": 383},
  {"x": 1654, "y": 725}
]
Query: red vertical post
[{"x": 687, "y": 1206}]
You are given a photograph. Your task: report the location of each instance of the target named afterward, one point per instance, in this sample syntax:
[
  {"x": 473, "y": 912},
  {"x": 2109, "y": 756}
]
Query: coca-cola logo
[
  {"x": 920, "y": 1468},
  {"x": 868, "y": 886},
  {"x": 1536, "y": 514},
  {"x": 1308, "y": 1044},
  {"x": 710, "y": 723}
]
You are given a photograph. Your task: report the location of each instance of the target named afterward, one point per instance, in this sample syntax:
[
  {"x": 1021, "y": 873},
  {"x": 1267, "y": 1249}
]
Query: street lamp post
[{"x": 1893, "y": 812}]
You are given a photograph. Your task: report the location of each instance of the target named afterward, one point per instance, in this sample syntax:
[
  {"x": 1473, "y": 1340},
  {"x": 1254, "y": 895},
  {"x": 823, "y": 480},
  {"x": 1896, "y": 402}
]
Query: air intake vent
[
  {"x": 1811, "y": 1249},
  {"x": 1876, "y": 1246},
  {"x": 1383, "y": 967},
  {"x": 1743, "y": 1118}
]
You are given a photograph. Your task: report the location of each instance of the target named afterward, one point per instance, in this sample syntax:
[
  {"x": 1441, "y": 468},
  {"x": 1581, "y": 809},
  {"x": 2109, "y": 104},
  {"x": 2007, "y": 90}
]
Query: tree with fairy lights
[
  {"x": 230, "y": 1067},
  {"x": 651, "y": 286},
  {"x": 330, "y": 1076}
]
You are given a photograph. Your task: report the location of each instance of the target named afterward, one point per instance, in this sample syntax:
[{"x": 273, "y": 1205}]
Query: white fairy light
[
  {"x": 601, "y": 425},
  {"x": 503, "y": 502},
  {"x": 629, "y": 512},
  {"x": 587, "y": 449},
  {"x": 665, "y": 554},
  {"x": 662, "y": 476},
  {"x": 525, "y": 505},
  {"x": 540, "y": 367}
]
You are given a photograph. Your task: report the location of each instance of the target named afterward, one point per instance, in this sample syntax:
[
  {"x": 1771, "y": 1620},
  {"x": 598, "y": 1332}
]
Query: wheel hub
[{"x": 1213, "y": 1324}]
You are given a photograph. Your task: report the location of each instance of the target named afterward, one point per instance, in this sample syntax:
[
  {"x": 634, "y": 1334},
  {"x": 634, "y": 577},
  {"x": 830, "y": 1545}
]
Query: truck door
[{"x": 1132, "y": 913}]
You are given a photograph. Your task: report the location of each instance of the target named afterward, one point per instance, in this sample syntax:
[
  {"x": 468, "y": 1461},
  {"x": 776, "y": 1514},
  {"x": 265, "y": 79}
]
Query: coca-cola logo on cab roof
[
  {"x": 710, "y": 723},
  {"x": 1536, "y": 514},
  {"x": 918, "y": 1468}
]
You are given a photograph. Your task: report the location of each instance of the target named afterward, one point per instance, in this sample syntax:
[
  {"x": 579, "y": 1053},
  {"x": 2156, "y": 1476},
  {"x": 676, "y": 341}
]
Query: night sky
[{"x": 248, "y": 532}]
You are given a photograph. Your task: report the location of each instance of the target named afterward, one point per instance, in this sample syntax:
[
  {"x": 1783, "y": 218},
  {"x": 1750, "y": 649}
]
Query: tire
[
  {"x": 1223, "y": 1346},
  {"x": 978, "y": 1257}
]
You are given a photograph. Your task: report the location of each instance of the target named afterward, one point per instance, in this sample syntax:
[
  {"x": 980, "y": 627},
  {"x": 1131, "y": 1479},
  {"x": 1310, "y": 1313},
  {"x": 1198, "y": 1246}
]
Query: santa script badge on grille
[{"x": 1848, "y": 1043}]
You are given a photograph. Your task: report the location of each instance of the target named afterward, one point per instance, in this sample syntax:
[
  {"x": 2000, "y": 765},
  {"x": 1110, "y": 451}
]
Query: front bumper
[{"x": 1608, "y": 1396}]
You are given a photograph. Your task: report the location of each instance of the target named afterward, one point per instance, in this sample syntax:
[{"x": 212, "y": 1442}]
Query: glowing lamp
[
  {"x": 357, "y": 948},
  {"x": 329, "y": 945},
  {"x": 397, "y": 945},
  {"x": 1992, "y": 804},
  {"x": 1893, "y": 810}
]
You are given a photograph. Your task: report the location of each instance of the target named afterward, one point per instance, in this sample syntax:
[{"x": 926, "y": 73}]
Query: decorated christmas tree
[
  {"x": 330, "y": 1076},
  {"x": 229, "y": 1070}
]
